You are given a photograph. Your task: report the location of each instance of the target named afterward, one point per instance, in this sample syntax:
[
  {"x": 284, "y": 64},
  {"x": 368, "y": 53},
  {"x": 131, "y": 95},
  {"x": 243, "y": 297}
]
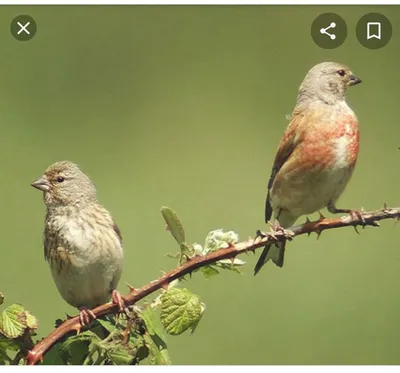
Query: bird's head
[
  {"x": 63, "y": 183},
  {"x": 328, "y": 82}
]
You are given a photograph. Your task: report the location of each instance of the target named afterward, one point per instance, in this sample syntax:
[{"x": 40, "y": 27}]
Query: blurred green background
[{"x": 184, "y": 106}]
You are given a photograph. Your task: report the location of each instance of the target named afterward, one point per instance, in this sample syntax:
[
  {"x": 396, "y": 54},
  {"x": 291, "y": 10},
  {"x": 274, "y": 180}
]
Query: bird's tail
[{"x": 276, "y": 253}]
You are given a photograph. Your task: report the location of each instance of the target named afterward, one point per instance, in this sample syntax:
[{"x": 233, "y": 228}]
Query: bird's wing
[
  {"x": 288, "y": 143},
  {"x": 117, "y": 231}
]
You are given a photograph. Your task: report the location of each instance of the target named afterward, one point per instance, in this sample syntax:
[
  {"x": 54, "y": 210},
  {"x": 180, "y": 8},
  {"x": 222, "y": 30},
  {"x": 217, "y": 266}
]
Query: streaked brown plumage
[
  {"x": 82, "y": 244},
  {"x": 317, "y": 154}
]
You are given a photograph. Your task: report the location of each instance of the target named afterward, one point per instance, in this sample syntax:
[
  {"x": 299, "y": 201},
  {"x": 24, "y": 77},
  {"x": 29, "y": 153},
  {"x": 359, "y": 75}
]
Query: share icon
[
  {"x": 329, "y": 30},
  {"x": 324, "y": 30}
]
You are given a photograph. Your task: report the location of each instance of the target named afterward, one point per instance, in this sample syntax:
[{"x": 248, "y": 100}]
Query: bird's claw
[
  {"x": 86, "y": 316},
  {"x": 119, "y": 301},
  {"x": 357, "y": 215},
  {"x": 276, "y": 228}
]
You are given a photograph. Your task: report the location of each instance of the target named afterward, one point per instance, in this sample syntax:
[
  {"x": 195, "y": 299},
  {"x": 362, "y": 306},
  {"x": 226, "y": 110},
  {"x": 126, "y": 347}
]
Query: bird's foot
[
  {"x": 119, "y": 301},
  {"x": 260, "y": 235},
  {"x": 276, "y": 228},
  {"x": 354, "y": 214},
  {"x": 86, "y": 316}
]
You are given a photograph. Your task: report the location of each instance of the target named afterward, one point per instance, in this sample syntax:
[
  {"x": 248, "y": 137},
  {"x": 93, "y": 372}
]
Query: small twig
[
  {"x": 368, "y": 218},
  {"x": 127, "y": 332}
]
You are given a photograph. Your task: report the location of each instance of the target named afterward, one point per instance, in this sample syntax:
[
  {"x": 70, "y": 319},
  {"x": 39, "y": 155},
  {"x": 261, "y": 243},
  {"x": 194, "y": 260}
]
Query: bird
[
  {"x": 82, "y": 244},
  {"x": 316, "y": 155}
]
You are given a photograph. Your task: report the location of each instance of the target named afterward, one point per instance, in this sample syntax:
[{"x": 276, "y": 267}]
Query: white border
[{"x": 201, "y": 2}]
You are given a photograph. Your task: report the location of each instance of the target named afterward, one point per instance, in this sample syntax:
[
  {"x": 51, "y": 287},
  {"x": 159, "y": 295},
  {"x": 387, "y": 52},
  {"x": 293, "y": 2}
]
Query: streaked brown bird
[
  {"x": 317, "y": 154},
  {"x": 82, "y": 243}
]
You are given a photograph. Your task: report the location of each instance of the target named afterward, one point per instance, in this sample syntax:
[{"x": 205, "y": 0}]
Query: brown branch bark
[{"x": 369, "y": 218}]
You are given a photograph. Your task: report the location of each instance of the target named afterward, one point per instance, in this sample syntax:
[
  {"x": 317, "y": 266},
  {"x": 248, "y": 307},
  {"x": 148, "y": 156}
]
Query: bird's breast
[
  {"x": 345, "y": 149},
  {"x": 333, "y": 142}
]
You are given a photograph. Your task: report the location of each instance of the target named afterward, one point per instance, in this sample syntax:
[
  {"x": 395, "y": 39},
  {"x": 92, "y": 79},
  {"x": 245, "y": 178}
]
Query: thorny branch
[{"x": 367, "y": 218}]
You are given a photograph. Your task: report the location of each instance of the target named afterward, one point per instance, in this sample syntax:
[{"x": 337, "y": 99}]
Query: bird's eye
[
  {"x": 341, "y": 72},
  {"x": 60, "y": 179}
]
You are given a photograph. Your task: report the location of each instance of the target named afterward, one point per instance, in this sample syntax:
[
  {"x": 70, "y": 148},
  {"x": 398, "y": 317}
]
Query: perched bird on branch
[
  {"x": 317, "y": 154},
  {"x": 82, "y": 244}
]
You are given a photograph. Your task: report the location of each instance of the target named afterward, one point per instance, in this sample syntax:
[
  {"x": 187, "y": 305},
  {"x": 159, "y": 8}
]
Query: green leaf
[
  {"x": 53, "y": 356},
  {"x": 174, "y": 225},
  {"x": 77, "y": 345},
  {"x": 209, "y": 271},
  {"x": 7, "y": 344},
  {"x": 180, "y": 310},
  {"x": 107, "y": 324},
  {"x": 31, "y": 321},
  {"x": 4, "y": 358},
  {"x": 155, "y": 338},
  {"x": 120, "y": 356},
  {"x": 13, "y": 321}
]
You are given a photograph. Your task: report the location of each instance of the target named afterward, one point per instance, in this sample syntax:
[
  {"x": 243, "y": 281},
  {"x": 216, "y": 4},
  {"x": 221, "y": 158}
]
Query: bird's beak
[
  {"x": 354, "y": 80},
  {"x": 41, "y": 184}
]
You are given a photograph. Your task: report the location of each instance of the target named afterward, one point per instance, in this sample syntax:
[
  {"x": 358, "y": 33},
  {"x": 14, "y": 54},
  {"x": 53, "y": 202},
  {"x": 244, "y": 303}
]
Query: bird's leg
[
  {"x": 277, "y": 227},
  {"x": 86, "y": 316},
  {"x": 354, "y": 214},
  {"x": 118, "y": 300}
]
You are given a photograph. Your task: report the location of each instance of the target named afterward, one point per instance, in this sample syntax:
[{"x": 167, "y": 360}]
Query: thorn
[
  {"x": 385, "y": 206},
  {"x": 165, "y": 286},
  {"x": 356, "y": 229},
  {"x": 308, "y": 234},
  {"x": 321, "y": 217},
  {"x": 318, "y": 232},
  {"x": 374, "y": 223},
  {"x": 260, "y": 234},
  {"x": 307, "y": 220},
  {"x": 256, "y": 240},
  {"x": 130, "y": 287},
  {"x": 188, "y": 258}
]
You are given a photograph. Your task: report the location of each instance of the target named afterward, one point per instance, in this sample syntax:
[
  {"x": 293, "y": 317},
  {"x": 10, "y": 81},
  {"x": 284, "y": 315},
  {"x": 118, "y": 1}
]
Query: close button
[{"x": 23, "y": 27}]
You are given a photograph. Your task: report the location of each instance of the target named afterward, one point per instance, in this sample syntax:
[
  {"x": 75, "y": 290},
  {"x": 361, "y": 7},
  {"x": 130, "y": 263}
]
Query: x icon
[{"x": 23, "y": 28}]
